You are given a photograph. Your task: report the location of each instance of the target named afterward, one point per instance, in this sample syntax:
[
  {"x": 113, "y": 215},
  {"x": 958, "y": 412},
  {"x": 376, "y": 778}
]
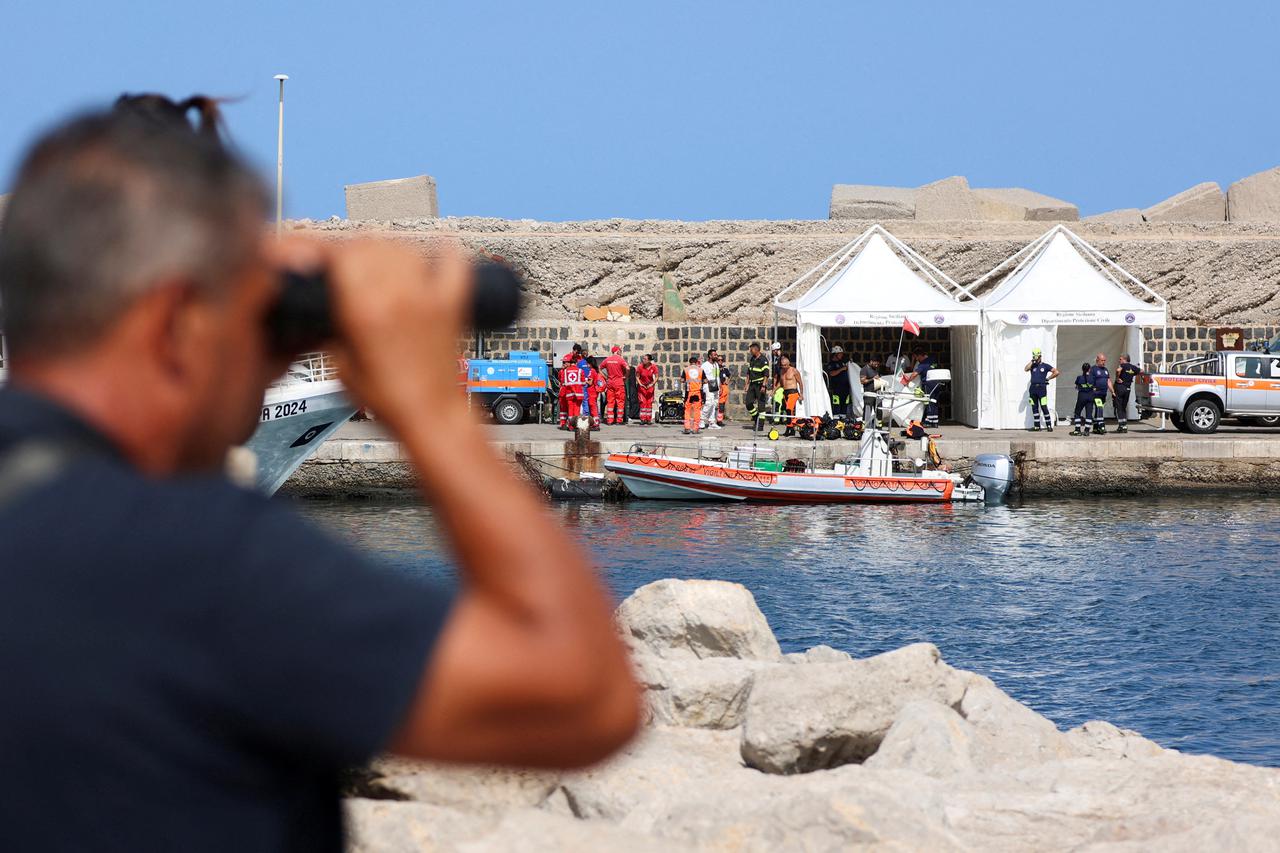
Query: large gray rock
[
  {"x": 401, "y": 198},
  {"x": 1202, "y": 203},
  {"x": 467, "y": 787},
  {"x": 1255, "y": 198},
  {"x": 1160, "y": 803},
  {"x": 1098, "y": 739},
  {"x": 660, "y": 761},
  {"x": 1004, "y": 731},
  {"x": 861, "y": 201},
  {"x": 927, "y": 737},
  {"x": 697, "y": 619},
  {"x": 949, "y": 198},
  {"x": 1016, "y": 204},
  {"x": 849, "y": 808},
  {"x": 382, "y": 826},
  {"x": 530, "y": 831},
  {"x": 1121, "y": 216},
  {"x": 818, "y": 654},
  {"x": 387, "y": 826},
  {"x": 815, "y": 716},
  {"x": 710, "y": 693}
]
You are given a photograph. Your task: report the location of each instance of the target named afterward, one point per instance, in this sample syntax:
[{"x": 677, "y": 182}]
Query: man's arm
[
  {"x": 1054, "y": 373},
  {"x": 529, "y": 668}
]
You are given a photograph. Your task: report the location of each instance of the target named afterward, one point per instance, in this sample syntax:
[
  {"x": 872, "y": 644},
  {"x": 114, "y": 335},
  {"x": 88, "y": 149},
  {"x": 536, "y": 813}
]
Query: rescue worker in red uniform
[
  {"x": 615, "y": 369},
  {"x": 692, "y": 395},
  {"x": 571, "y": 382},
  {"x": 646, "y": 386},
  {"x": 593, "y": 384}
]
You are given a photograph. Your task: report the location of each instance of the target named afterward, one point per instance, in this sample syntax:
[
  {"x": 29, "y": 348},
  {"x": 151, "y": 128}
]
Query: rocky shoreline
[{"x": 748, "y": 748}]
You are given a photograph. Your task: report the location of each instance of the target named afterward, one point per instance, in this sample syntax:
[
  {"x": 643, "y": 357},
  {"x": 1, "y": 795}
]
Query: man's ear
[{"x": 173, "y": 320}]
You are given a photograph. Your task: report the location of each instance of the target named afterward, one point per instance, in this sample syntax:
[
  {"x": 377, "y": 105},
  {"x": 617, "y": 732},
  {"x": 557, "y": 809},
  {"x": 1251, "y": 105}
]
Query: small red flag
[{"x": 909, "y": 325}]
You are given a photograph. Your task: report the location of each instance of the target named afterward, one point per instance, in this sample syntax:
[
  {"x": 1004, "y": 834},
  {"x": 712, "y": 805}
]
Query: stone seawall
[
  {"x": 1145, "y": 463},
  {"x": 1221, "y": 273}
]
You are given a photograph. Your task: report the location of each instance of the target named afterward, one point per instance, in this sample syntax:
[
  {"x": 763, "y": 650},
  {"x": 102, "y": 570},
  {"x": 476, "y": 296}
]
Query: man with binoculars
[{"x": 188, "y": 665}]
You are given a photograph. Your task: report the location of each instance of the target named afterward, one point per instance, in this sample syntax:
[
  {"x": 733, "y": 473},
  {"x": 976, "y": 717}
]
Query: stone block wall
[{"x": 1185, "y": 340}]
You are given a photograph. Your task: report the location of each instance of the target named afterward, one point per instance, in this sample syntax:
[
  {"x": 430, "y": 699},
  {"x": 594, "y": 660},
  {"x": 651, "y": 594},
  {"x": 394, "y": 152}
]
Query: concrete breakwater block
[
  {"x": 1204, "y": 202},
  {"x": 1255, "y": 198},
  {"x": 402, "y": 198},
  {"x": 949, "y": 198},
  {"x": 860, "y": 201},
  {"x": 1016, "y": 204},
  {"x": 1122, "y": 216},
  {"x": 896, "y": 751}
]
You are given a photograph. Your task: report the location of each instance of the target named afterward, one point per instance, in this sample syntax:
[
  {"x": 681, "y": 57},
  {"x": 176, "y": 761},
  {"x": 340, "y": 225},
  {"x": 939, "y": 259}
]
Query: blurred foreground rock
[{"x": 752, "y": 750}]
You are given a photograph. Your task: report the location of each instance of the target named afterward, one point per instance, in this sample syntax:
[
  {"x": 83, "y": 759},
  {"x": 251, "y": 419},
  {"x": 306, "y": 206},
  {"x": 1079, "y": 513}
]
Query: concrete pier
[{"x": 362, "y": 461}]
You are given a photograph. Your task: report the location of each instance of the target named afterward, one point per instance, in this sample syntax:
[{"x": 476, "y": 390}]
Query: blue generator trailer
[{"x": 510, "y": 387}]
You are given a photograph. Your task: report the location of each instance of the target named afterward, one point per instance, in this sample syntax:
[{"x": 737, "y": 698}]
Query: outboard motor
[{"x": 994, "y": 472}]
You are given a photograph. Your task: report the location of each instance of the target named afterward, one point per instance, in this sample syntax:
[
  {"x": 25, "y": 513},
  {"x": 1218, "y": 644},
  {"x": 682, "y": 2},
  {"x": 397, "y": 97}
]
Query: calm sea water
[{"x": 1161, "y": 616}]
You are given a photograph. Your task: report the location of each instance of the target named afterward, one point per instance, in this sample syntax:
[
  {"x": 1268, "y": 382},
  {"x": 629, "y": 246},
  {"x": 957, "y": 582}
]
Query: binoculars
[{"x": 301, "y": 320}]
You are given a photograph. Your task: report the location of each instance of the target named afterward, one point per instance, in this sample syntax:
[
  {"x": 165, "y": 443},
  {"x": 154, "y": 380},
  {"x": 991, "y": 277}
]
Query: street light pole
[{"x": 280, "y": 159}]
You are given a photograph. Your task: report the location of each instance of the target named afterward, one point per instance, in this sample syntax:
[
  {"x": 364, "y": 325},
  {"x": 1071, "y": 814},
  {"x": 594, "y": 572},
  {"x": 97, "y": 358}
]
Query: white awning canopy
[
  {"x": 877, "y": 280},
  {"x": 1060, "y": 280}
]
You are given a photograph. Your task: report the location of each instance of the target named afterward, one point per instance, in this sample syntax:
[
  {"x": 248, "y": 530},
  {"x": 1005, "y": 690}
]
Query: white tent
[
  {"x": 875, "y": 280},
  {"x": 1066, "y": 298}
]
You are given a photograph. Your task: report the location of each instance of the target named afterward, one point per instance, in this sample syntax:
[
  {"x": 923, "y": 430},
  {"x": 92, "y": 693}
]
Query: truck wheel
[
  {"x": 1202, "y": 417},
  {"x": 1179, "y": 423},
  {"x": 1270, "y": 421},
  {"x": 508, "y": 411}
]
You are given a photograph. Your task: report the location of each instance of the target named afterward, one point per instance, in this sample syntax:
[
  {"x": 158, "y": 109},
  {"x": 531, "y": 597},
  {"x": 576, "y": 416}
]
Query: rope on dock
[{"x": 529, "y": 468}]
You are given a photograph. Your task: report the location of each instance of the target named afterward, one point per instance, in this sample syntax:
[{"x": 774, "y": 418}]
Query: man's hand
[{"x": 400, "y": 316}]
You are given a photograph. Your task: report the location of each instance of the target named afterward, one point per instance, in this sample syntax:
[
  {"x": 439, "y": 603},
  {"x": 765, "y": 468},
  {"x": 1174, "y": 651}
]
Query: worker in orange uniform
[
  {"x": 571, "y": 383},
  {"x": 615, "y": 369},
  {"x": 692, "y": 395},
  {"x": 646, "y": 386}
]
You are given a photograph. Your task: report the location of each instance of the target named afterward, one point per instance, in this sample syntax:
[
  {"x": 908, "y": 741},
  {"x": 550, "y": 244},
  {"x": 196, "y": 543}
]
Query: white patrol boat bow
[{"x": 299, "y": 412}]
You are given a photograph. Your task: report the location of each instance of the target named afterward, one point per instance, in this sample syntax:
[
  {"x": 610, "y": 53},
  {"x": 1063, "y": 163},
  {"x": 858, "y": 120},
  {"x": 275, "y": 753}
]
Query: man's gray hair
[{"x": 112, "y": 204}]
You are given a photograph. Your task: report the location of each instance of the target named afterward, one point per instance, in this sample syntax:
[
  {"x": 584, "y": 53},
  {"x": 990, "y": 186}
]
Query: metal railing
[{"x": 310, "y": 367}]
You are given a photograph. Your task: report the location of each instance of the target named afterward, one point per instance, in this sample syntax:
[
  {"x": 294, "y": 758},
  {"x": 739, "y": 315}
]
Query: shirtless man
[{"x": 792, "y": 391}]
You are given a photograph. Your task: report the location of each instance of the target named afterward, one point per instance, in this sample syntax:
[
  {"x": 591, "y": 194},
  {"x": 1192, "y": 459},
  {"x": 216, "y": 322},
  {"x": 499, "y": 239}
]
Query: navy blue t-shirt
[
  {"x": 838, "y": 383},
  {"x": 1099, "y": 376},
  {"x": 186, "y": 665},
  {"x": 922, "y": 370},
  {"x": 1126, "y": 373},
  {"x": 1040, "y": 375},
  {"x": 1084, "y": 386}
]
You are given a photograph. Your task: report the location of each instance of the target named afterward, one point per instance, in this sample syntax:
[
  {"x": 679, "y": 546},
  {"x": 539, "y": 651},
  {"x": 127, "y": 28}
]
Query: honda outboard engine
[{"x": 994, "y": 472}]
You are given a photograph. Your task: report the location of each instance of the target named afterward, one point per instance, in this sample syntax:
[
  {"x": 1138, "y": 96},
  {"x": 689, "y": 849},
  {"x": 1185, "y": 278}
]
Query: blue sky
[{"x": 691, "y": 110}]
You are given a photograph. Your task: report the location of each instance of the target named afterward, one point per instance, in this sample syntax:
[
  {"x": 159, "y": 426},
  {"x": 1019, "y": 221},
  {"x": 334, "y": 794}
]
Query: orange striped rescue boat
[{"x": 746, "y": 475}]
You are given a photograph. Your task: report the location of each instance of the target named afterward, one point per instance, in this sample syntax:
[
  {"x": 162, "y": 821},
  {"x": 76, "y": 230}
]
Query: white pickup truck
[{"x": 1199, "y": 392}]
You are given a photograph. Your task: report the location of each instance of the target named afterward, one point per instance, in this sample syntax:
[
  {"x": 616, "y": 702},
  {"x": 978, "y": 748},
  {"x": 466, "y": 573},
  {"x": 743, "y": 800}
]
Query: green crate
[{"x": 767, "y": 465}]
